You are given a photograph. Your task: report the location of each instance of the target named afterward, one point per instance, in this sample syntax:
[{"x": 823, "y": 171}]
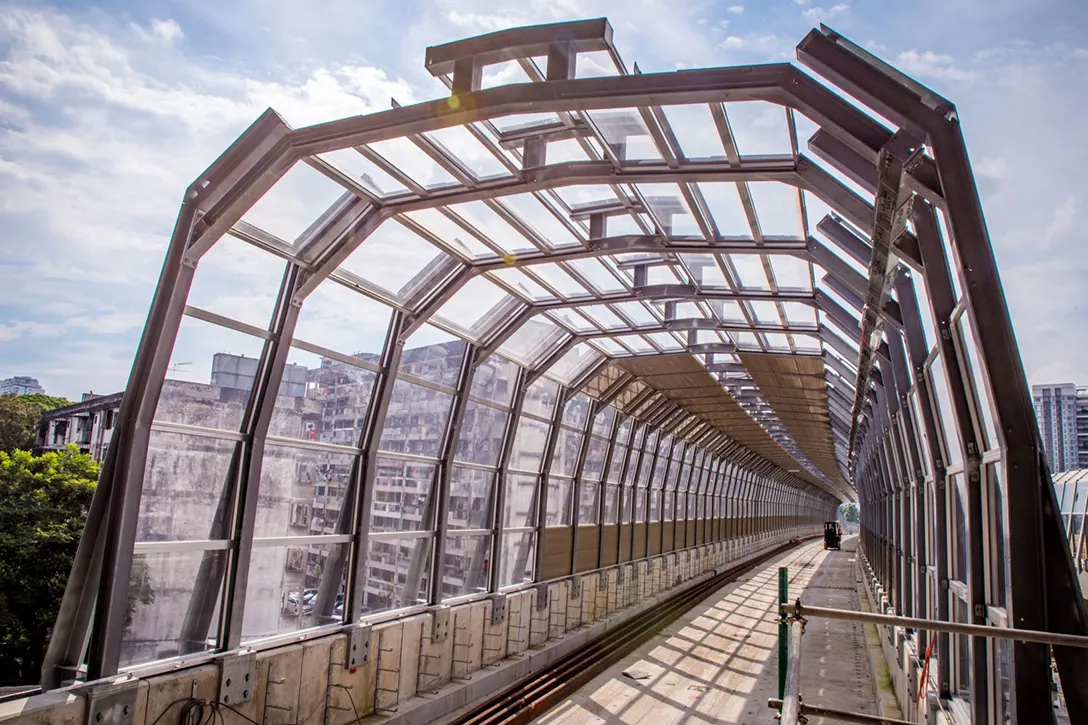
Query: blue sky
[{"x": 108, "y": 110}]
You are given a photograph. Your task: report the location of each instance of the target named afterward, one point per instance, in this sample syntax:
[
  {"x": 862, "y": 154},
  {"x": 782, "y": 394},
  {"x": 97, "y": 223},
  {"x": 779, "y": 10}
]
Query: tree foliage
[
  {"x": 45, "y": 403},
  {"x": 18, "y": 423},
  {"x": 850, "y": 512},
  {"x": 43, "y": 505}
]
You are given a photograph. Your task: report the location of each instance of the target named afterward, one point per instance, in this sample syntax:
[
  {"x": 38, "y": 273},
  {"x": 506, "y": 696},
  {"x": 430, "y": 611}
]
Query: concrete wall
[{"x": 416, "y": 672}]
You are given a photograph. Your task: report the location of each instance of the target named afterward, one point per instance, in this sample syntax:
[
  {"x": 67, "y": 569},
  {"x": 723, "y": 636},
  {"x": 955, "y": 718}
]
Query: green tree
[
  {"x": 43, "y": 505},
  {"x": 45, "y": 403},
  {"x": 18, "y": 423},
  {"x": 850, "y": 512}
]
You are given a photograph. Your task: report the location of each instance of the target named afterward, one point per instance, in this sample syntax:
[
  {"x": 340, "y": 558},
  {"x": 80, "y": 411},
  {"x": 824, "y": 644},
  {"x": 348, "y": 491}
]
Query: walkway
[{"x": 719, "y": 663}]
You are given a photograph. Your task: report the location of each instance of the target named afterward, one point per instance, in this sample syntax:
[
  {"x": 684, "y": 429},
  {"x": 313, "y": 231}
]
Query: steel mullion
[
  {"x": 576, "y": 482},
  {"x": 445, "y": 465},
  {"x": 517, "y": 402},
  {"x": 548, "y": 457}
]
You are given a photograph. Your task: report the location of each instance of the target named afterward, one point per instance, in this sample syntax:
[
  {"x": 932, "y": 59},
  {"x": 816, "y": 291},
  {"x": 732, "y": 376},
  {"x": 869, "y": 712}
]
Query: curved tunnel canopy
[{"x": 565, "y": 316}]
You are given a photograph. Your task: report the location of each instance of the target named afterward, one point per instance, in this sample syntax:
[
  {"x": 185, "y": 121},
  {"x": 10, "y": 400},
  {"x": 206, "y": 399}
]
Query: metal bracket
[
  {"x": 498, "y": 608},
  {"x": 440, "y": 623},
  {"x": 575, "y": 587},
  {"x": 602, "y": 580},
  {"x": 237, "y": 677},
  {"x": 112, "y": 703},
  {"x": 541, "y": 596},
  {"x": 358, "y": 652}
]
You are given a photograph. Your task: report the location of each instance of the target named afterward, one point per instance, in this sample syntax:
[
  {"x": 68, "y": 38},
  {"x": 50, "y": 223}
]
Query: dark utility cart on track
[{"x": 832, "y": 535}]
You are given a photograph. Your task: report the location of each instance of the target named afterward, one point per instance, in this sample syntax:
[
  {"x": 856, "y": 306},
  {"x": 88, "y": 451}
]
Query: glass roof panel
[
  {"x": 605, "y": 317},
  {"x": 532, "y": 339},
  {"x": 520, "y": 120},
  {"x": 447, "y": 231},
  {"x": 695, "y": 130},
  {"x": 594, "y": 64},
  {"x": 567, "y": 150},
  {"x": 500, "y": 74},
  {"x": 798, "y": 312},
  {"x": 523, "y": 284},
  {"x": 750, "y": 270},
  {"x": 637, "y": 312},
  {"x": 635, "y": 342},
  {"x": 609, "y": 346},
  {"x": 723, "y": 201},
  {"x": 759, "y": 127},
  {"x": 791, "y": 272},
  {"x": 491, "y": 225},
  {"x": 765, "y": 311},
  {"x": 538, "y": 216},
  {"x": 554, "y": 277},
  {"x": 598, "y": 274},
  {"x": 469, "y": 151},
  {"x": 576, "y": 361},
  {"x": 394, "y": 259},
  {"x": 624, "y": 224},
  {"x": 352, "y": 163},
  {"x": 777, "y": 207},
  {"x": 289, "y": 208},
  {"x": 573, "y": 320},
  {"x": 661, "y": 274},
  {"x": 471, "y": 308},
  {"x": 665, "y": 341},
  {"x": 745, "y": 339},
  {"x": 410, "y": 159}
]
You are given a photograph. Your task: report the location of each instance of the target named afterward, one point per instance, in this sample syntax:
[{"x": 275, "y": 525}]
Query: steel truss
[{"x": 937, "y": 454}]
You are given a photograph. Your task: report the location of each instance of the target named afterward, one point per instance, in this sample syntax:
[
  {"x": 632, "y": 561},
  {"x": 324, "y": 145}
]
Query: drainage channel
[{"x": 535, "y": 694}]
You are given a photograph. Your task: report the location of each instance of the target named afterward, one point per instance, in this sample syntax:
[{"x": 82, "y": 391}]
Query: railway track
[{"x": 537, "y": 693}]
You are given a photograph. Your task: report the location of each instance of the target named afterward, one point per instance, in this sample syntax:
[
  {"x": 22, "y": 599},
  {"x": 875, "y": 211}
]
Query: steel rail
[
  {"x": 843, "y": 715},
  {"x": 973, "y": 630},
  {"x": 533, "y": 695}
]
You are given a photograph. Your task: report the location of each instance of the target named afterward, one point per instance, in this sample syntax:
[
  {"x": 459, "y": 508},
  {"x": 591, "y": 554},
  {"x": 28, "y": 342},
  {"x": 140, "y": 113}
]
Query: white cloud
[
  {"x": 733, "y": 43},
  {"x": 927, "y": 64},
  {"x": 166, "y": 30},
  {"x": 996, "y": 168},
  {"x": 736, "y": 9},
  {"x": 1061, "y": 220},
  {"x": 820, "y": 15}
]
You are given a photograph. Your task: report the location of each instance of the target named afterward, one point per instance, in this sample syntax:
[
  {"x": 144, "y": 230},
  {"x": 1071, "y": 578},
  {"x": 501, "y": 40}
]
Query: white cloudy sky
[{"x": 108, "y": 110}]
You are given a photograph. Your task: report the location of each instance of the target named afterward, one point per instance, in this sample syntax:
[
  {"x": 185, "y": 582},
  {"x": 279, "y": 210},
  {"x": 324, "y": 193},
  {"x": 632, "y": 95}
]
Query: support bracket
[
  {"x": 237, "y": 677},
  {"x": 440, "y": 623},
  {"x": 498, "y": 608},
  {"x": 358, "y": 652},
  {"x": 112, "y": 703}
]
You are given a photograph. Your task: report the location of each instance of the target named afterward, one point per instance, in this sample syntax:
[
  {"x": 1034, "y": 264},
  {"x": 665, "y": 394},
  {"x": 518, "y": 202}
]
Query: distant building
[
  {"x": 1056, "y": 411},
  {"x": 1082, "y": 427},
  {"x": 20, "y": 385},
  {"x": 88, "y": 424}
]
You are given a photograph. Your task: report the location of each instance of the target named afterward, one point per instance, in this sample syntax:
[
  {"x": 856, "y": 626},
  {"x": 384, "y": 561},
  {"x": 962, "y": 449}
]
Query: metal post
[
  {"x": 791, "y": 692},
  {"x": 783, "y": 628}
]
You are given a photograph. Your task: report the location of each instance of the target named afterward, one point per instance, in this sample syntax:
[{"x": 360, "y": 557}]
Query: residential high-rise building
[
  {"x": 20, "y": 385},
  {"x": 1056, "y": 411},
  {"x": 1082, "y": 427}
]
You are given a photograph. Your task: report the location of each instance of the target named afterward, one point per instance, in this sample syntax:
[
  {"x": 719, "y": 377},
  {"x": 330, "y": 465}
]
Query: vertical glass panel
[
  {"x": 959, "y": 524},
  {"x": 239, "y": 281},
  {"x": 289, "y": 208},
  {"x": 401, "y": 496},
  {"x": 292, "y": 480},
  {"x": 963, "y": 652},
  {"x": 160, "y": 589},
  {"x": 494, "y": 380},
  {"x": 615, "y": 468},
  {"x": 655, "y": 505},
  {"x": 611, "y": 503},
  {"x": 540, "y": 398},
  {"x": 640, "y": 504},
  {"x": 321, "y": 399},
  {"x": 577, "y": 411},
  {"x": 981, "y": 383},
  {"x": 602, "y": 424},
  {"x": 226, "y": 359},
  {"x": 593, "y": 468},
  {"x": 578, "y": 359},
  {"x": 470, "y": 498},
  {"x": 465, "y": 565},
  {"x": 398, "y": 574},
  {"x": 481, "y": 434},
  {"x": 527, "y": 453},
  {"x": 520, "y": 503},
  {"x": 567, "y": 447},
  {"x": 438, "y": 362},
  {"x": 282, "y": 589},
  {"x": 517, "y": 559},
  {"x": 185, "y": 496},
  {"x": 559, "y": 501},
  {"x": 416, "y": 421},
  {"x": 588, "y": 502},
  {"x": 947, "y": 412},
  {"x": 343, "y": 320}
]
